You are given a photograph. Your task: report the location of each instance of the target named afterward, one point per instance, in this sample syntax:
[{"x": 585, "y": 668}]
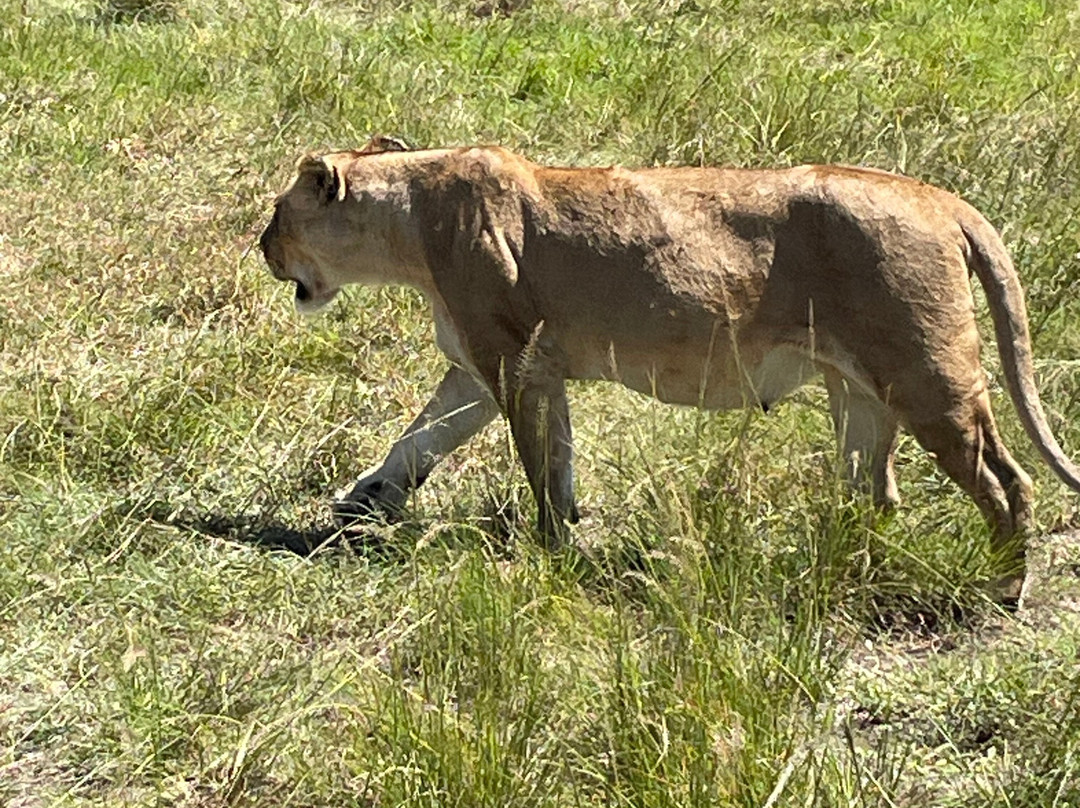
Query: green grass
[{"x": 736, "y": 632}]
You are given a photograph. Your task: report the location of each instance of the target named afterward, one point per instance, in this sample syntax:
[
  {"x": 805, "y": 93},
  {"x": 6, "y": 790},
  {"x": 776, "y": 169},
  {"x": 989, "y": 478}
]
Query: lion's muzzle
[{"x": 271, "y": 250}]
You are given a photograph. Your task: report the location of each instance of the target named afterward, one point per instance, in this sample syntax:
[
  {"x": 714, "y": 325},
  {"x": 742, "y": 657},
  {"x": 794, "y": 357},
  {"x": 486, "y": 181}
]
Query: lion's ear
[
  {"x": 326, "y": 179},
  {"x": 382, "y": 143}
]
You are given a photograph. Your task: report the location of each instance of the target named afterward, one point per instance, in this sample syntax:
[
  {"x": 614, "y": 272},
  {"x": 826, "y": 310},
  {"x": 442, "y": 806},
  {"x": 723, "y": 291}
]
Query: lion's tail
[{"x": 995, "y": 271}]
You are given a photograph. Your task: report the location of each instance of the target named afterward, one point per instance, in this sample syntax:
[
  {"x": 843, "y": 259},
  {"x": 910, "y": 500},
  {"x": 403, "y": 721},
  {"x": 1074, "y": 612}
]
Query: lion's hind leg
[
  {"x": 866, "y": 430},
  {"x": 967, "y": 446}
]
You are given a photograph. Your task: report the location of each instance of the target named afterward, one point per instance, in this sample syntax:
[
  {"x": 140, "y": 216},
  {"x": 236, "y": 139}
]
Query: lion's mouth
[{"x": 309, "y": 299}]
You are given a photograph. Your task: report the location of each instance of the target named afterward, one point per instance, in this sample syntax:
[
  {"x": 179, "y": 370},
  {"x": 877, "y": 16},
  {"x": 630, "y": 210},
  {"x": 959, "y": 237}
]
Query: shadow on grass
[
  {"x": 924, "y": 615},
  {"x": 271, "y": 533}
]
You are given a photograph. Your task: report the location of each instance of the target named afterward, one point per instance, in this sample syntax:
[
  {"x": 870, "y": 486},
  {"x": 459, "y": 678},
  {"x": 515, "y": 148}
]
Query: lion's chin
[{"x": 308, "y": 301}]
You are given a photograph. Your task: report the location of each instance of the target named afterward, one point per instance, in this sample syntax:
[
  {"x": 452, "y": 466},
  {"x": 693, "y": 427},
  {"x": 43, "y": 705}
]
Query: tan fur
[{"x": 710, "y": 287}]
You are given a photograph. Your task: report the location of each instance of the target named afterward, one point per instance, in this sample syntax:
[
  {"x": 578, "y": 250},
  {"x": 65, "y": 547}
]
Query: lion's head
[{"x": 312, "y": 238}]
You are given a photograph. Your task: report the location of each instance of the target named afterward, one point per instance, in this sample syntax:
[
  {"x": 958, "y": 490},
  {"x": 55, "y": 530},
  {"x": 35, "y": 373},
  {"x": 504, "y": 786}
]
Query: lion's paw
[{"x": 372, "y": 499}]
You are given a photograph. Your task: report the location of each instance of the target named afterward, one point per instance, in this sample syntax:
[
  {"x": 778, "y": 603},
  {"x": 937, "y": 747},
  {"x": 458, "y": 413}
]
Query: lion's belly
[{"x": 713, "y": 376}]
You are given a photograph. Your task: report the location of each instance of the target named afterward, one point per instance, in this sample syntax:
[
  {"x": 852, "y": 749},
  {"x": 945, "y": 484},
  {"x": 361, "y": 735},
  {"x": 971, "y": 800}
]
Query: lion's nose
[
  {"x": 274, "y": 262},
  {"x": 264, "y": 244}
]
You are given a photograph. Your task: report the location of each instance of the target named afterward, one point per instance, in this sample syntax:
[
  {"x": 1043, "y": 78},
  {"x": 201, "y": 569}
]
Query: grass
[{"x": 737, "y": 631}]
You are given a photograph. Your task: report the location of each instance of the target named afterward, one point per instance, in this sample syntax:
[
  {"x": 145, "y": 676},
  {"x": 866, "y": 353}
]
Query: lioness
[{"x": 713, "y": 287}]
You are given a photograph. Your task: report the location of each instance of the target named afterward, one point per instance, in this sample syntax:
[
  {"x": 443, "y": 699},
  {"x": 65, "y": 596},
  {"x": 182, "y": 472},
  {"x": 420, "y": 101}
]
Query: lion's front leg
[
  {"x": 539, "y": 418},
  {"x": 460, "y": 408}
]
